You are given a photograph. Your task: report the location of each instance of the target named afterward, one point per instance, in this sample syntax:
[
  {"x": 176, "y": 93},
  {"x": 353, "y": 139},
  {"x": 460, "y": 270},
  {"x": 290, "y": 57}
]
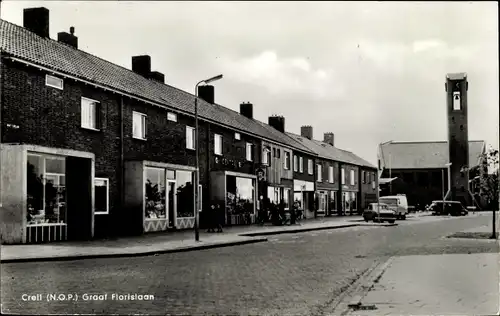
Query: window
[
  {"x": 286, "y": 198},
  {"x": 172, "y": 117},
  {"x": 218, "y": 144},
  {"x": 101, "y": 195},
  {"x": 295, "y": 163},
  {"x": 190, "y": 137},
  {"x": 54, "y": 82},
  {"x": 373, "y": 180},
  {"x": 138, "y": 125},
  {"x": 249, "y": 152},
  {"x": 287, "y": 160},
  {"x": 266, "y": 155},
  {"x": 237, "y": 136},
  {"x": 330, "y": 174},
  {"x": 320, "y": 177},
  {"x": 363, "y": 175},
  {"x": 342, "y": 173},
  {"x": 155, "y": 194},
  {"x": 310, "y": 166},
  {"x": 352, "y": 177},
  {"x": 279, "y": 153},
  {"x": 456, "y": 101},
  {"x": 90, "y": 114},
  {"x": 301, "y": 164},
  {"x": 274, "y": 152}
]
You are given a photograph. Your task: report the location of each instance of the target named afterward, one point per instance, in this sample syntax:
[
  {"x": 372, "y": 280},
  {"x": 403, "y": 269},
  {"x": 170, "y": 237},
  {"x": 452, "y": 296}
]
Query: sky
[{"x": 369, "y": 72}]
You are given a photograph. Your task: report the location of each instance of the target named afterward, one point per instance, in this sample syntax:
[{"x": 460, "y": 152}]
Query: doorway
[{"x": 171, "y": 203}]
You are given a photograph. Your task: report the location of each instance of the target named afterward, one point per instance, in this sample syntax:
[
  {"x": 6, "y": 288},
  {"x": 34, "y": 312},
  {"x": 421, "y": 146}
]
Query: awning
[{"x": 386, "y": 180}]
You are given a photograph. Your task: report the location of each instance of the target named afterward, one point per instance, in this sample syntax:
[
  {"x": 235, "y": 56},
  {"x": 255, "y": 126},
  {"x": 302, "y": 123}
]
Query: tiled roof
[
  {"x": 422, "y": 155},
  {"x": 18, "y": 42},
  {"x": 327, "y": 151}
]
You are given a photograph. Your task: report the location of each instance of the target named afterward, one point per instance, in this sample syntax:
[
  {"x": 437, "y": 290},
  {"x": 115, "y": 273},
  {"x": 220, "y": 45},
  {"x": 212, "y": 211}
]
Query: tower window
[{"x": 456, "y": 101}]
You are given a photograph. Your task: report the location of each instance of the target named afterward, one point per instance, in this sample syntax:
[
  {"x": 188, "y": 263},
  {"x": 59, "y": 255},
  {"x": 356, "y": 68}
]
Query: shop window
[
  {"x": 101, "y": 196},
  {"x": 155, "y": 194},
  {"x": 330, "y": 174},
  {"x": 218, "y": 144},
  {"x": 190, "y": 137},
  {"x": 185, "y": 194},
  {"x": 352, "y": 177},
  {"x": 286, "y": 198},
  {"x": 46, "y": 190},
  {"x": 319, "y": 171},
  {"x": 172, "y": 117},
  {"x": 237, "y": 136},
  {"x": 54, "y": 82},
  {"x": 138, "y": 125},
  {"x": 310, "y": 166},
  {"x": 301, "y": 164},
  {"x": 249, "y": 152},
  {"x": 342, "y": 174},
  {"x": 295, "y": 163},
  {"x": 298, "y": 200},
  {"x": 333, "y": 200},
  {"x": 90, "y": 114},
  {"x": 240, "y": 196}
]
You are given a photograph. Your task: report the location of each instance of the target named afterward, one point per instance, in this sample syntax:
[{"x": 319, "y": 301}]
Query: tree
[{"x": 489, "y": 180}]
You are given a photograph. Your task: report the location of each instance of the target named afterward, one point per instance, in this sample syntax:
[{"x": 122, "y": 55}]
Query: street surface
[{"x": 292, "y": 274}]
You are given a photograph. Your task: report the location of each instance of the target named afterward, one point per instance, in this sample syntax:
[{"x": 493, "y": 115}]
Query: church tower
[{"x": 458, "y": 138}]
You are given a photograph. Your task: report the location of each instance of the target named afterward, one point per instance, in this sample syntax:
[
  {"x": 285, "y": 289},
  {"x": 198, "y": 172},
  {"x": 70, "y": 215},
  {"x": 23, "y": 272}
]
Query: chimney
[
  {"x": 278, "y": 122},
  {"x": 207, "y": 93},
  {"x": 329, "y": 139},
  {"x": 306, "y": 131},
  {"x": 157, "y": 76},
  {"x": 37, "y": 21},
  {"x": 246, "y": 109},
  {"x": 141, "y": 65},
  {"x": 68, "y": 38}
]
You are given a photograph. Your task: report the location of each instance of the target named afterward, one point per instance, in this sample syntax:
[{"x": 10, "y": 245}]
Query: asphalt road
[{"x": 296, "y": 274}]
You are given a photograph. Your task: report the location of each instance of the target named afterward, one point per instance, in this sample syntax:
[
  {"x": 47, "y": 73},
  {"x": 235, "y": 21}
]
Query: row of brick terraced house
[{"x": 91, "y": 149}]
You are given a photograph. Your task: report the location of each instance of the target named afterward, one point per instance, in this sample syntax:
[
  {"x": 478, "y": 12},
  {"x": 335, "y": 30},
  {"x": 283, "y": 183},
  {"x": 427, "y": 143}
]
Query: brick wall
[
  {"x": 325, "y": 184},
  {"x": 305, "y": 176}
]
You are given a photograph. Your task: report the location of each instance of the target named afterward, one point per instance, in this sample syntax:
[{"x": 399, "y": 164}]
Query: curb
[
  {"x": 137, "y": 254},
  {"x": 298, "y": 230}
]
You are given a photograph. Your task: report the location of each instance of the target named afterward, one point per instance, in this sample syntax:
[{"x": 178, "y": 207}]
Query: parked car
[
  {"x": 454, "y": 208},
  {"x": 398, "y": 203},
  {"x": 379, "y": 212}
]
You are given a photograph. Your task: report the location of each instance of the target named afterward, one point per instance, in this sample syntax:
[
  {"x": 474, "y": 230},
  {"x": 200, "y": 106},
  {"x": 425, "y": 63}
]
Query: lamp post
[
  {"x": 197, "y": 174},
  {"x": 448, "y": 165}
]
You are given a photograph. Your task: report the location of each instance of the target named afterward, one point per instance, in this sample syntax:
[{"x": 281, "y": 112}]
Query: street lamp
[
  {"x": 448, "y": 165},
  {"x": 197, "y": 174}
]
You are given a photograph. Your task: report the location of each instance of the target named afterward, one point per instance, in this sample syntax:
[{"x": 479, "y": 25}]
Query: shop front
[
  {"x": 278, "y": 194},
  {"x": 238, "y": 193},
  {"x": 48, "y": 194},
  {"x": 303, "y": 195},
  {"x": 349, "y": 202},
  {"x": 326, "y": 201},
  {"x": 164, "y": 193}
]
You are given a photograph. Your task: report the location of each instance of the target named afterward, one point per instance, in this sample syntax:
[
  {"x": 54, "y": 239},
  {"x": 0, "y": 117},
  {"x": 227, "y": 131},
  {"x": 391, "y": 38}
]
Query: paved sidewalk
[
  {"x": 156, "y": 243},
  {"x": 452, "y": 284}
]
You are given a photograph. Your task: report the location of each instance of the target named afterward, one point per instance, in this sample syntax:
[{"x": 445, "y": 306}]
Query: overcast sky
[{"x": 367, "y": 71}]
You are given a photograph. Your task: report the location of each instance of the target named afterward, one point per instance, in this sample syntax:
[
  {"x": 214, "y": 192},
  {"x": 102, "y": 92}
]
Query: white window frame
[
  {"x": 352, "y": 175},
  {"x": 83, "y": 122},
  {"x": 237, "y": 136},
  {"x": 171, "y": 116},
  {"x": 320, "y": 172},
  {"x": 143, "y": 125},
  {"x": 301, "y": 164},
  {"x": 190, "y": 131},
  {"x": 287, "y": 158},
  {"x": 342, "y": 171},
  {"x": 218, "y": 149},
  {"x": 295, "y": 163},
  {"x": 330, "y": 174},
  {"x": 54, "y": 86},
  {"x": 373, "y": 180},
  {"x": 106, "y": 180},
  {"x": 265, "y": 158},
  {"x": 310, "y": 166},
  {"x": 249, "y": 151}
]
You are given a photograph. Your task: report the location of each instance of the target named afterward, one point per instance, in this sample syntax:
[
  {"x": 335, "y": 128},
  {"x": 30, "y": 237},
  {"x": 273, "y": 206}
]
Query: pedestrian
[
  {"x": 220, "y": 217},
  {"x": 211, "y": 219}
]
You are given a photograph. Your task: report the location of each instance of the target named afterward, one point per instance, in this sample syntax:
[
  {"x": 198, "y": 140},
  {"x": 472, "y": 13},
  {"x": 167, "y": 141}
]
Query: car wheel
[
  {"x": 391, "y": 221},
  {"x": 404, "y": 217}
]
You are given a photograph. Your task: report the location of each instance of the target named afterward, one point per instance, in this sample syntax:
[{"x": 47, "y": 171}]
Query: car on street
[
  {"x": 379, "y": 212},
  {"x": 454, "y": 208},
  {"x": 398, "y": 203}
]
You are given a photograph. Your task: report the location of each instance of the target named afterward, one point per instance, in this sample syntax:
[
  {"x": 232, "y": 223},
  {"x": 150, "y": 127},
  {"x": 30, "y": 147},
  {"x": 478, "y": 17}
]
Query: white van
[{"x": 398, "y": 203}]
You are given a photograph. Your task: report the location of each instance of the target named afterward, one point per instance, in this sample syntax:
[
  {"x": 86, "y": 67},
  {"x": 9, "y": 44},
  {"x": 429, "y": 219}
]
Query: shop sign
[
  {"x": 228, "y": 162},
  {"x": 261, "y": 174}
]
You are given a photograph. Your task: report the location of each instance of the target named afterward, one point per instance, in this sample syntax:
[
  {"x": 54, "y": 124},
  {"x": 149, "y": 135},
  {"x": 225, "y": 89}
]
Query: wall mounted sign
[
  {"x": 261, "y": 174},
  {"x": 228, "y": 162}
]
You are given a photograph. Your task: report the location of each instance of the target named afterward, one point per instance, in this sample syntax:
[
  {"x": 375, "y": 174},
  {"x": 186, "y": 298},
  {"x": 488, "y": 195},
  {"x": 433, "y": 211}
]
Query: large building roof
[
  {"x": 26, "y": 46},
  {"x": 423, "y": 155},
  {"x": 328, "y": 151}
]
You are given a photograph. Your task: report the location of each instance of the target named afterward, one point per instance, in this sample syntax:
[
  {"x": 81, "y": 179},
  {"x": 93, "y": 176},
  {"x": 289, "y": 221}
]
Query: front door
[{"x": 171, "y": 203}]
